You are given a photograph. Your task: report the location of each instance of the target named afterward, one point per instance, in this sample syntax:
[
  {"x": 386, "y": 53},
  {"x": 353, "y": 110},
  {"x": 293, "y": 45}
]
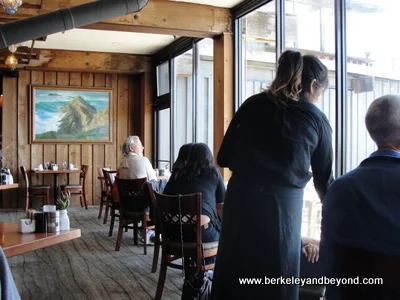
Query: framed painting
[{"x": 70, "y": 115}]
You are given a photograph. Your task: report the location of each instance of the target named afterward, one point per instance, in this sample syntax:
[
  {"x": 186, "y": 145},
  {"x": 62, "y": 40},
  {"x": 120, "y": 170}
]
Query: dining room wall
[{"x": 127, "y": 119}]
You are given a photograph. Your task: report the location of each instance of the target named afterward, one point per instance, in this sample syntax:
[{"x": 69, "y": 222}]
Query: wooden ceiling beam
[
  {"x": 23, "y": 54},
  {"x": 158, "y": 17},
  {"x": 31, "y": 5},
  {"x": 81, "y": 61},
  {"x": 20, "y": 51}
]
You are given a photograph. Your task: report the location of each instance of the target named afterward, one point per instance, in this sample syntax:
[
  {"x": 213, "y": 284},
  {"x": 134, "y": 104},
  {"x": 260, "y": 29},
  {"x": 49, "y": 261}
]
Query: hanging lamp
[
  {"x": 11, "y": 61},
  {"x": 11, "y": 6}
]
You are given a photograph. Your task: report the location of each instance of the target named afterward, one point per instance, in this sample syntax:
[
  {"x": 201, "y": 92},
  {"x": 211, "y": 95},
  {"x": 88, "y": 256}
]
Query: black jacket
[{"x": 277, "y": 144}]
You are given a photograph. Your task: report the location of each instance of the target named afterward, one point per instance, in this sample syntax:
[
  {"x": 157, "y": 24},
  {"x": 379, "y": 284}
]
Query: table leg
[{"x": 55, "y": 186}]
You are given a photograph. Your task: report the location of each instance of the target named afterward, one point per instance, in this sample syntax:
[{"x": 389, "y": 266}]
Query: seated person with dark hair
[
  {"x": 199, "y": 174},
  {"x": 182, "y": 159},
  {"x": 180, "y": 162}
]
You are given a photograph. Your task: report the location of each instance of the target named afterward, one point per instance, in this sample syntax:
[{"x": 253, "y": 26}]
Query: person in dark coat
[
  {"x": 271, "y": 143},
  {"x": 361, "y": 215}
]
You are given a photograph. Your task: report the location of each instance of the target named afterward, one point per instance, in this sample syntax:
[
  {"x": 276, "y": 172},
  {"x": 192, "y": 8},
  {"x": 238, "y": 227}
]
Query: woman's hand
[{"x": 311, "y": 251}]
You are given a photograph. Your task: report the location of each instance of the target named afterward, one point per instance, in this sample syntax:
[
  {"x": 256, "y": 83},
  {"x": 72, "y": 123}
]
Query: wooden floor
[{"x": 88, "y": 267}]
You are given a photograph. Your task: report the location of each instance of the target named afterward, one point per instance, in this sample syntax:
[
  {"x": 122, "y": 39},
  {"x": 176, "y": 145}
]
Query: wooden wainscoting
[{"x": 127, "y": 109}]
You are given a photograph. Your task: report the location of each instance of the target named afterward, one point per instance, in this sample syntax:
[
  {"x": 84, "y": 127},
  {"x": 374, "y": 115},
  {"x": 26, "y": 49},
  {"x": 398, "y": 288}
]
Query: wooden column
[
  {"x": 10, "y": 136},
  {"x": 146, "y": 114},
  {"x": 223, "y": 89}
]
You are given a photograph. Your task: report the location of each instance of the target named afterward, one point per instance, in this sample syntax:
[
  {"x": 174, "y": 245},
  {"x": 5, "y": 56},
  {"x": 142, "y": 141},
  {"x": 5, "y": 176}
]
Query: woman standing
[{"x": 270, "y": 144}]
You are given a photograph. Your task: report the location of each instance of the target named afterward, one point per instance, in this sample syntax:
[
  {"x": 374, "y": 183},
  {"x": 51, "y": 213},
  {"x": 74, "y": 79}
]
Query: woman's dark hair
[
  {"x": 313, "y": 68},
  {"x": 294, "y": 76},
  {"x": 182, "y": 157},
  {"x": 287, "y": 83},
  {"x": 200, "y": 163}
]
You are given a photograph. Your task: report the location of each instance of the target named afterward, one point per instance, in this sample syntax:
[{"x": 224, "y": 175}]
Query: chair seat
[
  {"x": 187, "y": 246},
  {"x": 71, "y": 186},
  {"x": 316, "y": 290},
  {"x": 127, "y": 215},
  {"x": 39, "y": 187}
]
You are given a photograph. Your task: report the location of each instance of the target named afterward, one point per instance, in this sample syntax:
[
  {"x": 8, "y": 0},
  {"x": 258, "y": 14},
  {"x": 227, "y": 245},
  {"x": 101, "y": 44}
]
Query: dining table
[
  {"x": 55, "y": 175},
  {"x": 14, "y": 243},
  {"x": 9, "y": 186}
]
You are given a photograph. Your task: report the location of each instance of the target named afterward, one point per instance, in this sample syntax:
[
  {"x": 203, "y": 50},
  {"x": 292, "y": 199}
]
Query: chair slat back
[
  {"x": 84, "y": 173},
  {"x": 179, "y": 212},
  {"x": 131, "y": 196},
  {"x": 109, "y": 177},
  {"x": 101, "y": 178},
  {"x": 100, "y": 171},
  {"x": 353, "y": 262},
  {"x": 25, "y": 175}
]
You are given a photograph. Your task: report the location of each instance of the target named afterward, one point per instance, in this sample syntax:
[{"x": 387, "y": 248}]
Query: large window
[
  {"x": 163, "y": 79},
  {"x": 373, "y": 70},
  {"x": 183, "y": 101},
  {"x": 189, "y": 116},
  {"x": 163, "y": 138},
  {"x": 258, "y": 50},
  {"x": 162, "y": 116},
  {"x": 373, "y": 67},
  {"x": 205, "y": 92},
  {"x": 310, "y": 29}
]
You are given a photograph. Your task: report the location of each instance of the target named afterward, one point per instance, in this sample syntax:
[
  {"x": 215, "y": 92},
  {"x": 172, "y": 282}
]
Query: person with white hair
[
  {"x": 134, "y": 165},
  {"x": 361, "y": 214}
]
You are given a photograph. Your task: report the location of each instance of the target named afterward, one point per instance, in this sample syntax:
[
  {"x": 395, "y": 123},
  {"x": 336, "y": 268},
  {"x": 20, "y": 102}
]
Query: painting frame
[{"x": 99, "y": 135}]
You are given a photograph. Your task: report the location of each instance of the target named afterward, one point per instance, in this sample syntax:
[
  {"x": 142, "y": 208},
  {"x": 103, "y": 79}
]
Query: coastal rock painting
[{"x": 71, "y": 115}]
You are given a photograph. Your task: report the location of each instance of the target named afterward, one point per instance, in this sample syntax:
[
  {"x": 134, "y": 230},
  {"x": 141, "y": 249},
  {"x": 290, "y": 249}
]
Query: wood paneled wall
[{"x": 127, "y": 110}]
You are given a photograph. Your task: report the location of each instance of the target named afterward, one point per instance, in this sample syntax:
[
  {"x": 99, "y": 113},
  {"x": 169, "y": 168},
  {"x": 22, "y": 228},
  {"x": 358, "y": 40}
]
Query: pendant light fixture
[
  {"x": 11, "y": 61},
  {"x": 11, "y": 6}
]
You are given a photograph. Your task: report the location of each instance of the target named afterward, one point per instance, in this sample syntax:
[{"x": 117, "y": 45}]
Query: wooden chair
[
  {"x": 220, "y": 210},
  {"x": 173, "y": 213},
  {"x": 103, "y": 192},
  {"x": 358, "y": 263},
  {"x": 133, "y": 205},
  {"x": 111, "y": 206},
  {"x": 78, "y": 189},
  {"x": 312, "y": 292},
  {"x": 35, "y": 191},
  {"x": 148, "y": 190}
]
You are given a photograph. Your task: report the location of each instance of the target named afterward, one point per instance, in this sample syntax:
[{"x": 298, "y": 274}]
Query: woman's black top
[
  {"x": 276, "y": 144},
  {"x": 211, "y": 187}
]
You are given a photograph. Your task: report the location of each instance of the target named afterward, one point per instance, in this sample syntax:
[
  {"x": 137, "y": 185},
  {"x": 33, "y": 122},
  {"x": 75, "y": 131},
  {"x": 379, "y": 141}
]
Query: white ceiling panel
[
  {"x": 105, "y": 41},
  {"x": 219, "y": 3}
]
